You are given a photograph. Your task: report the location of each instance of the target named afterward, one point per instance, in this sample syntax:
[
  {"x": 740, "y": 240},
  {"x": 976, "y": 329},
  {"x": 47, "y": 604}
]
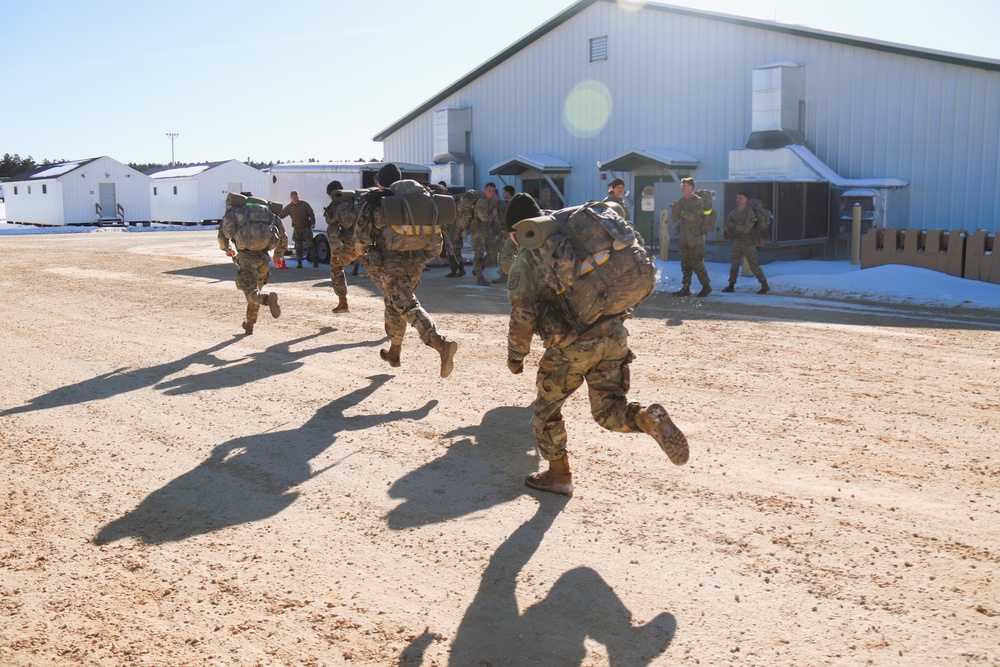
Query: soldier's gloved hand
[
  {"x": 230, "y": 253},
  {"x": 516, "y": 367}
]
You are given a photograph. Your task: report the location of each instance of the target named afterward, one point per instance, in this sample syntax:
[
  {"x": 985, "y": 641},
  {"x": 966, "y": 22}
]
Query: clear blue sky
[{"x": 304, "y": 79}]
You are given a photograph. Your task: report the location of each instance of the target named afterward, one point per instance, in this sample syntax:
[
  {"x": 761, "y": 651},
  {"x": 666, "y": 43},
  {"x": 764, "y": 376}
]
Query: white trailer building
[
  {"x": 196, "y": 194},
  {"x": 82, "y": 192},
  {"x": 310, "y": 179},
  {"x": 661, "y": 92}
]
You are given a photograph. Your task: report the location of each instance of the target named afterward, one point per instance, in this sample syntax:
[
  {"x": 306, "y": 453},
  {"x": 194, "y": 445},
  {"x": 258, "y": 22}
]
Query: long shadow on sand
[
  {"x": 484, "y": 469},
  {"x": 249, "y": 478},
  {"x": 553, "y": 631}
]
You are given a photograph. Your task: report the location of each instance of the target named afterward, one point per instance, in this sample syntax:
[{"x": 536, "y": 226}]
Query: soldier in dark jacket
[
  {"x": 689, "y": 214},
  {"x": 599, "y": 356},
  {"x": 741, "y": 227},
  {"x": 303, "y": 221},
  {"x": 397, "y": 275}
]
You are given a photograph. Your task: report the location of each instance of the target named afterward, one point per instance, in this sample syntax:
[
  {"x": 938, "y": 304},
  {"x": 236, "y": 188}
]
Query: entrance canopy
[
  {"x": 661, "y": 157},
  {"x": 543, "y": 164}
]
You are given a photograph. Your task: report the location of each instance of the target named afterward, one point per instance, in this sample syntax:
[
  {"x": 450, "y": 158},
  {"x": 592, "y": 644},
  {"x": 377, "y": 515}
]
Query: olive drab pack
[
  {"x": 711, "y": 216},
  {"x": 414, "y": 217},
  {"x": 594, "y": 260},
  {"x": 764, "y": 216},
  {"x": 250, "y": 224},
  {"x": 467, "y": 209}
]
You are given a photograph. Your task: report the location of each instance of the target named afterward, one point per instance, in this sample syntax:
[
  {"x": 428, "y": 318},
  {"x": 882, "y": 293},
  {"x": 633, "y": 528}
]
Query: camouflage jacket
[
  {"x": 485, "y": 217},
  {"x": 689, "y": 214},
  {"x": 741, "y": 224},
  {"x": 341, "y": 216},
  {"x": 302, "y": 215},
  {"x": 621, "y": 202},
  {"x": 370, "y": 222},
  {"x": 535, "y": 308}
]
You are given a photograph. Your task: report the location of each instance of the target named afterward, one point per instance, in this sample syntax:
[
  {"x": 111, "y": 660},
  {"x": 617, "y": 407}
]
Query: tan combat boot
[
  {"x": 342, "y": 306},
  {"x": 392, "y": 354},
  {"x": 272, "y": 303},
  {"x": 557, "y": 479},
  {"x": 447, "y": 350},
  {"x": 247, "y": 327},
  {"x": 654, "y": 421}
]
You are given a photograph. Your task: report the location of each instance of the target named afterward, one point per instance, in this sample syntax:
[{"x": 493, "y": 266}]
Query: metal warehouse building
[{"x": 810, "y": 121}]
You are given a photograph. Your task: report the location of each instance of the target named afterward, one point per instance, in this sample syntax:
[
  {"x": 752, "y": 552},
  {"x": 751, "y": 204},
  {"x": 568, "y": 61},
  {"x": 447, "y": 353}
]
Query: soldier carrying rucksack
[
  {"x": 400, "y": 224},
  {"x": 744, "y": 225},
  {"x": 253, "y": 227},
  {"x": 695, "y": 216},
  {"x": 577, "y": 276}
]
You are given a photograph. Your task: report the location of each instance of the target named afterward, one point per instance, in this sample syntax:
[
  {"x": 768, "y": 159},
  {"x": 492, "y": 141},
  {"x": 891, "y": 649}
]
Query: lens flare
[{"x": 587, "y": 109}]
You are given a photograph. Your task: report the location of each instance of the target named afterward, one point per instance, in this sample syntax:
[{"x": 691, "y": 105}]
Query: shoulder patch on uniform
[{"x": 513, "y": 281}]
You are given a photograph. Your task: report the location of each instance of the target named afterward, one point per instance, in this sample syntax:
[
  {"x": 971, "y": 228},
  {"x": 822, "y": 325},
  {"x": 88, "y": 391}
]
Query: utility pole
[{"x": 172, "y": 135}]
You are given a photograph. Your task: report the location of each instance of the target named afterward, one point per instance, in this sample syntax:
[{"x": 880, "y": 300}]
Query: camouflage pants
[
  {"x": 508, "y": 251},
  {"x": 744, "y": 247},
  {"x": 478, "y": 252},
  {"x": 600, "y": 360},
  {"x": 693, "y": 261},
  {"x": 398, "y": 280},
  {"x": 492, "y": 246},
  {"x": 303, "y": 240},
  {"x": 448, "y": 249},
  {"x": 251, "y": 275},
  {"x": 341, "y": 257}
]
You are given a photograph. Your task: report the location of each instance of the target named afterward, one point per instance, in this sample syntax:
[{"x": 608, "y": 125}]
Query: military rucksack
[
  {"x": 252, "y": 225},
  {"x": 466, "y": 209},
  {"x": 414, "y": 217},
  {"x": 593, "y": 259},
  {"x": 710, "y": 216},
  {"x": 764, "y": 216}
]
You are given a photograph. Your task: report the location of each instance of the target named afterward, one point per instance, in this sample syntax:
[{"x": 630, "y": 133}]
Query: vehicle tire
[{"x": 322, "y": 249}]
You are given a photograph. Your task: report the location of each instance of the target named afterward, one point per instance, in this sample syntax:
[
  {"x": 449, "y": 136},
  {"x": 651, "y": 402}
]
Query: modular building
[
  {"x": 81, "y": 192},
  {"x": 653, "y": 93},
  {"x": 310, "y": 179},
  {"x": 196, "y": 194}
]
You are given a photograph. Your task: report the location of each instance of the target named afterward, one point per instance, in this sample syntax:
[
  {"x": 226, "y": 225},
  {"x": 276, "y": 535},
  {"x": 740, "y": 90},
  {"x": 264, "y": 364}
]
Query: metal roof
[
  {"x": 54, "y": 170},
  {"x": 773, "y": 26},
  {"x": 637, "y": 157},
  {"x": 543, "y": 164}
]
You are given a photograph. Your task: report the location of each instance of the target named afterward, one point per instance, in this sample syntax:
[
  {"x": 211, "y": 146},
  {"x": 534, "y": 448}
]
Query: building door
[
  {"x": 106, "y": 198},
  {"x": 644, "y": 208}
]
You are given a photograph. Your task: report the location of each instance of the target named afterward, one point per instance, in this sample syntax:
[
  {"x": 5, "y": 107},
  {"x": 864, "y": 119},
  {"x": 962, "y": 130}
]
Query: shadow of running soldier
[
  {"x": 249, "y": 478},
  {"x": 553, "y": 631},
  {"x": 575, "y": 352},
  {"x": 121, "y": 381},
  {"x": 474, "y": 474}
]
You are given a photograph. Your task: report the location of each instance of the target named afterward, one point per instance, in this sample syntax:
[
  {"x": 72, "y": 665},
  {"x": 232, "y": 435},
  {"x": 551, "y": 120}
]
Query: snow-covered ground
[{"x": 810, "y": 278}]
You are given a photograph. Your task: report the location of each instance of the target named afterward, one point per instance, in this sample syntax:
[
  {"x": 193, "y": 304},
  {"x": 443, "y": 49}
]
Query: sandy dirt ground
[{"x": 175, "y": 493}]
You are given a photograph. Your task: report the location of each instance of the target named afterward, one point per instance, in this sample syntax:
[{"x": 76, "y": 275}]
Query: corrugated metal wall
[
  {"x": 684, "y": 82},
  {"x": 81, "y": 191}
]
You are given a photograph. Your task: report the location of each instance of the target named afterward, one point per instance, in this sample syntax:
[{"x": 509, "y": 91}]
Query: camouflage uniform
[
  {"x": 252, "y": 265},
  {"x": 484, "y": 223},
  {"x": 742, "y": 225},
  {"x": 621, "y": 202},
  {"x": 397, "y": 275},
  {"x": 600, "y": 356},
  {"x": 341, "y": 216},
  {"x": 303, "y": 221},
  {"x": 689, "y": 215}
]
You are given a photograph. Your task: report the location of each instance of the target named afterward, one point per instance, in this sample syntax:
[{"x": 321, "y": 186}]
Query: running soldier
[
  {"x": 255, "y": 230},
  {"x": 397, "y": 274},
  {"x": 689, "y": 214},
  {"x": 340, "y": 215},
  {"x": 741, "y": 226},
  {"x": 598, "y": 355}
]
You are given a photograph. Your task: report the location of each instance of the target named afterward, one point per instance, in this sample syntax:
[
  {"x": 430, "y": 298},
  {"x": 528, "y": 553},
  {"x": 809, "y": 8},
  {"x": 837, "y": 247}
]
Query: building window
[
  {"x": 45, "y": 189},
  {"x": 154, "y": 192},
  {"x": 598, "y": 49},
  {"x": 175, "y": 189},
  {"x": 15, "y": 189}
]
